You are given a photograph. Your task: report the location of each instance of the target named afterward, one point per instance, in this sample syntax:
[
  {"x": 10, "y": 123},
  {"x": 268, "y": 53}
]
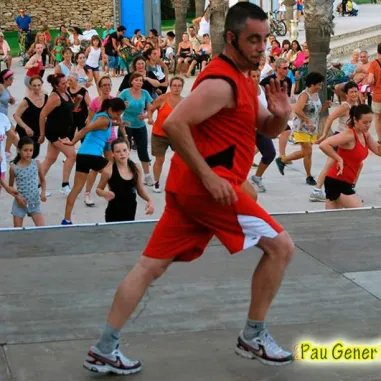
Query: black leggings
[
  {"x": 141, "y": 140},
  {"x": 266, "y": 148}
]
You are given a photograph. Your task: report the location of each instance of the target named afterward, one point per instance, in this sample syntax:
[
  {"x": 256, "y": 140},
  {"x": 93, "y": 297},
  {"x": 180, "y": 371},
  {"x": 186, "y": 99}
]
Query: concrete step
[{"x": 343, "y": 45}]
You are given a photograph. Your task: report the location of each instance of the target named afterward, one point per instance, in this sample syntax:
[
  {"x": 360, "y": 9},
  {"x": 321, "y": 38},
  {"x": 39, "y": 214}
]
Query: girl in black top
[
  {"x": 27, "y": 115},
  {"x": 56, "y": 122},
  {"x": 81, "y": 100},
  {"x": 124, "y": 180}
]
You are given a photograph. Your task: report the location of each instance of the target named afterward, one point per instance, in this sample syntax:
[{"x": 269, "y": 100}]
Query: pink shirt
[{"x": 95, "y": 106}]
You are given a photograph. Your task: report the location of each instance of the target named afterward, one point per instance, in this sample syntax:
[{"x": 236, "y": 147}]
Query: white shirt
[
  {"x": 5, "y": 126},
  {"x": 204, "y": 27},
  {"x": 87, "y": 34}
]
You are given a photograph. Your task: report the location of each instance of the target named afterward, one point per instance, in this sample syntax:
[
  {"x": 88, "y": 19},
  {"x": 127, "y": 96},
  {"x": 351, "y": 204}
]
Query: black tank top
[
  {"x": 31, "y": 116},
  {"x": 60, "y": 121},
  {"x": 121, "y": 187}
]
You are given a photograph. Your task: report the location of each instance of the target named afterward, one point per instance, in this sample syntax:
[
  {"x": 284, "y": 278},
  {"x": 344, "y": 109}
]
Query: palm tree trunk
[
  {"x": 289, "y": 12},
  {"x": 319, "y": 28},
  {"x": 218, "y": 10},
  {"x": 200, "y": 6},
  {"x": 181, "y": 7},
  {"x": 318, "y": 16}
]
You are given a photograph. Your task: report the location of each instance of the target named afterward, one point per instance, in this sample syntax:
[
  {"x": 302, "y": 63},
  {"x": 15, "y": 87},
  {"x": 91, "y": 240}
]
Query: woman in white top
[
  {"x": 202, "y": 23},
  {"x": 94, "y": 54},
  {"x": 341, "y": 113}
]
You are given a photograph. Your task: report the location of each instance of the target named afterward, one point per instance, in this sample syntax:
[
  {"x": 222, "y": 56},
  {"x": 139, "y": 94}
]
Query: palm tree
[
  {"x": 289, "y": 12},
  {"x": 199, "y": 5},
  {"x": 181, "y": 7},
  {"x": 218, "y": 9},
  {"x": 318, "y": 16}
]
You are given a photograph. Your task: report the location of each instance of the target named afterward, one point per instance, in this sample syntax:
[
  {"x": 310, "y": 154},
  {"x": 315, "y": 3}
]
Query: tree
[
  {"x": 318, "y": 16},
  {"x": 181, "y": 7},
  {"x": 218, "y": 9},
  {"x": 289, "y": 12},
  {"x": 200, "y": 6}
]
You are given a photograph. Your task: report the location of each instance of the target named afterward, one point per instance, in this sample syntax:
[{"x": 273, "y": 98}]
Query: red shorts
[{"x": 189, "y": 222}]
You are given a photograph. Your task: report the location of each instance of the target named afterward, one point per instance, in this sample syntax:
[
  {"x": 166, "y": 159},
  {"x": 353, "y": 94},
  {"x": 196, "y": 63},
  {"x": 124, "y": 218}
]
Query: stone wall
[{"x": 57, "y": 12}]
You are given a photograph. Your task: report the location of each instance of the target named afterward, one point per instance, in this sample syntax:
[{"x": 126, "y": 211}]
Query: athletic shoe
[
  {"x": 310, "y": 180},
  {"x": 257, "y": 181},
  {"x": 148, "y": 180},
  {"x": 88, "y": 201},
  {"x": 317, "y": 195},
  {"x": 263, "y": 348},
  {"x": 65, "y": 190},
  {"x": 48, "y": 194},
  {"x": 280, "y": 165},
  {"x": 115, "y": 362},
  {"x": 66, "y": 222},
  {"x": 156, "y": 187}
]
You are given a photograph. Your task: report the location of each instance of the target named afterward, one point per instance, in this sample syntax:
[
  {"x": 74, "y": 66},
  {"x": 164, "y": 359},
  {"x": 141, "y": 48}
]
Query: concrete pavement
[{"x": 57, "y": 284}]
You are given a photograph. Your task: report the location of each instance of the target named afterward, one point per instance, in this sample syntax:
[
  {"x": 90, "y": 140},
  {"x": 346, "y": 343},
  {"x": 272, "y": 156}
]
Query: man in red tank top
[{"x": 213, "y": 132}]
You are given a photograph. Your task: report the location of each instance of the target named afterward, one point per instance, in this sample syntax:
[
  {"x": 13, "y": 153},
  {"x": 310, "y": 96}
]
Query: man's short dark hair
[
  {"x": 121, "y": 28},
  {"x": 137, "y": 30},
  {"x": 314, "y": 78},
  {"x": 238, "y": 14},
  {"x": 379, "y": 48}
]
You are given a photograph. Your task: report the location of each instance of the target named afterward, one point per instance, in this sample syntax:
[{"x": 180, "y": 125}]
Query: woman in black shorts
[
  {"x": 90, "y": 154},
  {"x": 56, "y": 122}
]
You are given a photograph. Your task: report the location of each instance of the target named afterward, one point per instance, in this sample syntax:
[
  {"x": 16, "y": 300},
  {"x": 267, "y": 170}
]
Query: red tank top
[
  {"x": 35, "y": 70},
  {"x": 352, "y": 158},
  {"x": 162, "y": 115},
  {"x": 227, "y": 139}
]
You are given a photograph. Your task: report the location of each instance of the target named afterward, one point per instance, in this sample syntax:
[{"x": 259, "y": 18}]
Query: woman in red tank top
[
  {"x": 159, "y": 140},
  {"x": 352, "y": 149}
]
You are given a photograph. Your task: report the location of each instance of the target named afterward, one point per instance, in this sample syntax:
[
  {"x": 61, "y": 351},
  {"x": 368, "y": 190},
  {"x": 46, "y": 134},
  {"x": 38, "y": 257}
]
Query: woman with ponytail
[
  {"x": 348, "y": 149},
  {"x": 56, "y": 123},
  {"x": 90, "y": 154}
]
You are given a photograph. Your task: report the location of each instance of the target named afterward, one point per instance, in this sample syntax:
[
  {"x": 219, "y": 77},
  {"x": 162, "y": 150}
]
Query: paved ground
[
  {"x": 55, "y": 292},
  {"x": 57, "y": 284}
]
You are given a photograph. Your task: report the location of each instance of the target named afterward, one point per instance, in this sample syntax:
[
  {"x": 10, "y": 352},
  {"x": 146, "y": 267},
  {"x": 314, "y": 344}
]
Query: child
[
  {"x": 124, "y": 180},
  {"x": 28, "y": 175},
  {"x": 57, "y": 51}
]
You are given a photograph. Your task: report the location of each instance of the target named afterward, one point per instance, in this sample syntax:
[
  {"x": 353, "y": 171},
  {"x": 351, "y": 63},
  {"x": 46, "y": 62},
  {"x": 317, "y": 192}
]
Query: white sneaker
[
  {"x": 115, "y": 362},
  {"x": 148, "y": 180},
  {"x": 156, "y": 187},
  {"x": 257, "y": 181},
  {"x": 317, "y": 195},
  {"x": 65, "y": 190},
  {"x": 263, "y": 348},
  {"x": 88, "y": 201}
]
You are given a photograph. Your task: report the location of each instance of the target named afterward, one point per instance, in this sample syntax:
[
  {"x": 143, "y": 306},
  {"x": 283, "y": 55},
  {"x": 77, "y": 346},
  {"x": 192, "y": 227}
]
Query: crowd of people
[{"x": 153, "y": 70}]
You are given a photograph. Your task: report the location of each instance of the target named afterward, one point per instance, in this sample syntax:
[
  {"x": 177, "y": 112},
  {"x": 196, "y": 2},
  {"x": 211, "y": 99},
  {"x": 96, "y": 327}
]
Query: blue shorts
[
  {"x": 299, "y": 7},
  {"x": 29, "y": 210},
  {"x": 87, "y": 67},
  {"x": 112, "y": 62}
]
